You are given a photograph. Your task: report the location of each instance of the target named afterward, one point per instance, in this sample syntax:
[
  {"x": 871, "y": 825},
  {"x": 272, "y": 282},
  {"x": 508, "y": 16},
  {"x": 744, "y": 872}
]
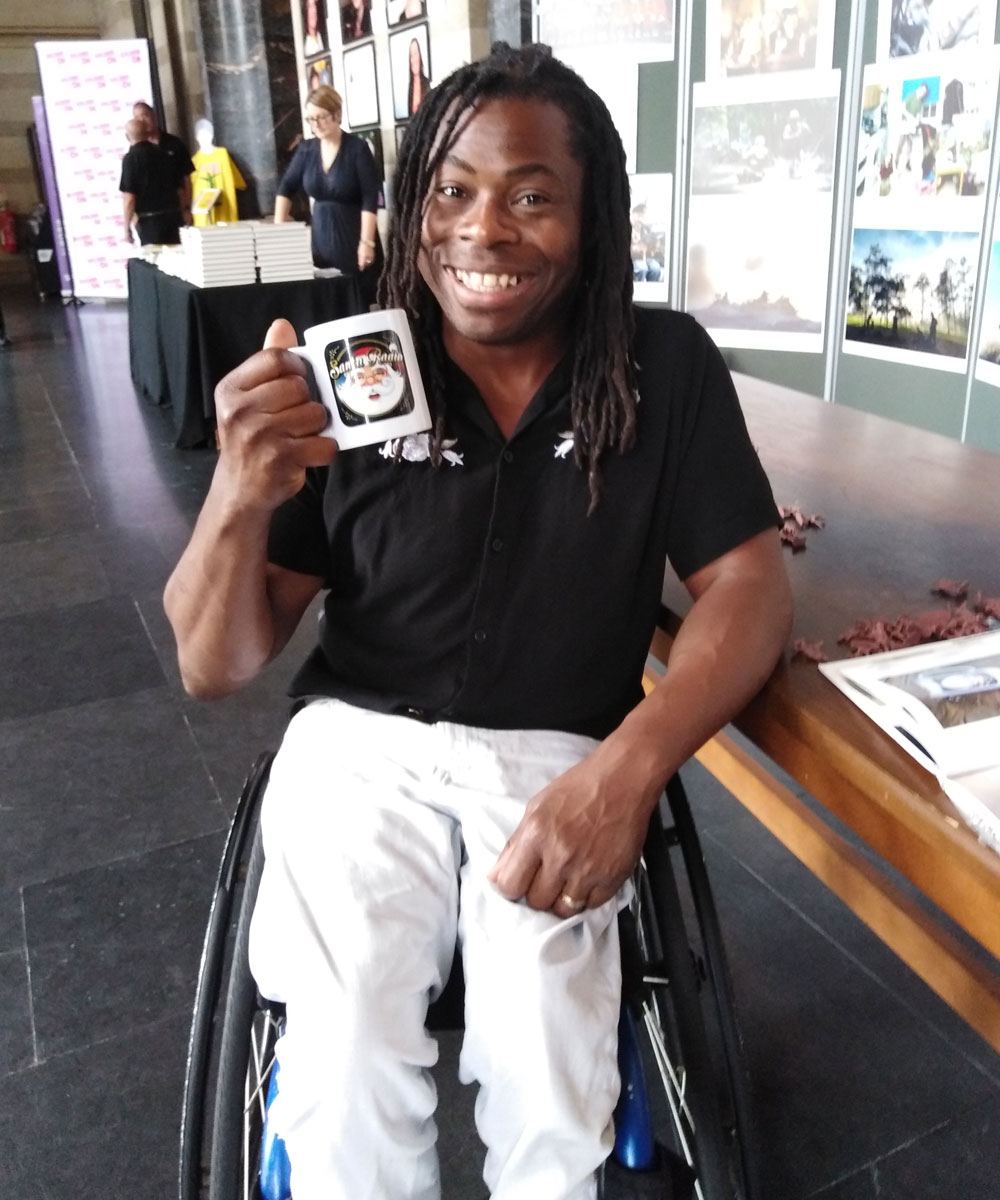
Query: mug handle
[
  {"x": 303, "y": 353},
  {"x": 314, "y": 392}
]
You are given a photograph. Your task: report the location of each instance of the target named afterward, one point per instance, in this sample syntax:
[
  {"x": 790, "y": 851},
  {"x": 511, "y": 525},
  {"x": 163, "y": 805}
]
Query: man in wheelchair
[{"x": 472, "y": 757}]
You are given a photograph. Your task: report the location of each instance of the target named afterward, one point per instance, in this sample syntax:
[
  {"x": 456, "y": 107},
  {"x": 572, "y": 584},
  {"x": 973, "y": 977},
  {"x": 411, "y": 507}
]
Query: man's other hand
[{"x": 578, "y": 841}]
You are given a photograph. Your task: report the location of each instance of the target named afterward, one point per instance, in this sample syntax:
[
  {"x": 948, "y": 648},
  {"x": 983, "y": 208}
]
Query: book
[
  {"x": 941, "y": 703},
  {"x": 205, "y": 200}
]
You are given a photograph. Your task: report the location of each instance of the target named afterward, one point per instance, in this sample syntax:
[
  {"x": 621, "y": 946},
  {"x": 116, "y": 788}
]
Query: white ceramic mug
[{"x": 366, "y": 373}]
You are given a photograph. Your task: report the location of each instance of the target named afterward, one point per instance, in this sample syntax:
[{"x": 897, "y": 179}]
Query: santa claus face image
[{"x": 369, "y": 381}]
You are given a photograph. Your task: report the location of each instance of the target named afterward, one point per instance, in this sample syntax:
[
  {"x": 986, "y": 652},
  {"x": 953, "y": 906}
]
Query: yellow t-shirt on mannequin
[{"x": 214, "y": 168}]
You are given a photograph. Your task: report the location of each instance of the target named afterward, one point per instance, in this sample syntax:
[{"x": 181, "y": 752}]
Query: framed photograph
[
  {"x": 645, "y": 31},
  {"x": 318, "y": 72},
  {"x": 360, "y": 86},
  {"x": 650, "y": 214},
  {"x": 767, "y": 141},
  {"x": 926, "y": 130},
  {"x": 758, "y": 270},
  {"x": 758, "y": 38},
  {"x": 373, "y": 138},
  {"x": 355, "y": 20},
  {"x": 910, "y": 295},
  {"x": 905, "y": 29},
  {"x": 410, "y": 66},
  {"x": 315, "y": 36},
  {"x": 399, "y": 12}
]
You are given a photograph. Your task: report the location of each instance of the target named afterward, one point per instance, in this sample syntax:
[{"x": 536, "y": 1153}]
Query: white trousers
[{"x": 379, "y": 832}]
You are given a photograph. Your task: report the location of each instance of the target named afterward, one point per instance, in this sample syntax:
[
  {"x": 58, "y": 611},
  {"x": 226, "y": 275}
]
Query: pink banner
[{"x": 89, "y": 90}]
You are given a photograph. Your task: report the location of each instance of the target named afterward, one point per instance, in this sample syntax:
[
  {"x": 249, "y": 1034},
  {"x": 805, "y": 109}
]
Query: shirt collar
[{"x": 551, "y": 396}]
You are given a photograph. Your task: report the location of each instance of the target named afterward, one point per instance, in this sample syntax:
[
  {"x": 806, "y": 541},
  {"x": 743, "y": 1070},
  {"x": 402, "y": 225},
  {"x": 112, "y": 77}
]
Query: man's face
[
  {"x": 145, "y": 114},
  {"x": 500, "y": 243}
]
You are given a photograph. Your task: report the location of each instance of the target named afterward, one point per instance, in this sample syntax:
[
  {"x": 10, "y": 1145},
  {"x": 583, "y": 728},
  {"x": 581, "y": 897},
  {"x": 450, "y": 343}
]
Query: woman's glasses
[{"x": 319, "y": 119}]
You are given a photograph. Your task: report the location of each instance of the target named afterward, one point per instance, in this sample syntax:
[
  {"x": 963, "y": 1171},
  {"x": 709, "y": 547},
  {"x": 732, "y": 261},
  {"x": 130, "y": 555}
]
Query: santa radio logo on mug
[
  {"x": 366, "y": 372},
  {"x": 369, "y": 378}
]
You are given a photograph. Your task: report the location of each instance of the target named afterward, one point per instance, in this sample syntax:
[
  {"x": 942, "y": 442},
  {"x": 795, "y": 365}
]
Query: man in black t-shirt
[
  {"x": 175, "y": 149},
  {"x": 151, "y": 190},
  {"x": 474, "y": 757}
]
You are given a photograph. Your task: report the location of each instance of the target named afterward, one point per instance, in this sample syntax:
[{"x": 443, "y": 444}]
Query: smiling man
[{"x": 472, "y": 759}]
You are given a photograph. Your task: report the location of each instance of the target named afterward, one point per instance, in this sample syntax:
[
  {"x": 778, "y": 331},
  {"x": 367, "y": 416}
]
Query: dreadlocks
[{"x": 603, "y": 395}]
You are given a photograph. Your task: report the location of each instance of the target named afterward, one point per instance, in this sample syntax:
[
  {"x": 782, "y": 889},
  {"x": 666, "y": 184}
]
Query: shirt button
[
  {"x": 480, "y": 635},
  {"x": 497, "y": 544},
  {"x": 508, "y": 456}
]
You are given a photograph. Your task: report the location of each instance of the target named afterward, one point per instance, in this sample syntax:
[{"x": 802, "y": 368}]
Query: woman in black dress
[{"x": 337, "y": 171}]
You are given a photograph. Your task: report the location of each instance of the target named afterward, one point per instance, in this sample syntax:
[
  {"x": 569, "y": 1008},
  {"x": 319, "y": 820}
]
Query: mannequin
[{"x": 213, "y": 168}]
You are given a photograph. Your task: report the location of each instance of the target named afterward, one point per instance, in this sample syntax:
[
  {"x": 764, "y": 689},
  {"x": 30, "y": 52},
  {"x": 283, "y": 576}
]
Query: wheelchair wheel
[
  {"x": 233, "y": 1032},
  {"x": 676, "y": 985}
]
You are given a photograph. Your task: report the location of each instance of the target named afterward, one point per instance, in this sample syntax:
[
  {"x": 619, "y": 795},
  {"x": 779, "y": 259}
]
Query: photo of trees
[{"x": 912, "y": 290}]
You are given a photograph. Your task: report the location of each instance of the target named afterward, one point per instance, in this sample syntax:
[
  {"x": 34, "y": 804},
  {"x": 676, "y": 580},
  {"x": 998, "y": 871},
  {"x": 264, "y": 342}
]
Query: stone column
[
  {"x": 509, "y": 21},
  {"x": 239, "y": 92}
]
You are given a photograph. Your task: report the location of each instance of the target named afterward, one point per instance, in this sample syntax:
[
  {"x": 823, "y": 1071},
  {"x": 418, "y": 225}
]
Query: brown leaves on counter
[
  {"x": 952, "y": 588},
  {"x": 812, "y": 651},
  {"x": 794, "y": 513},
  {"x": 934, "y": 625},
  {"x": 789, "y": 536},
  {"x": 795, "y": 520},
  {"x": 872, "y": 636},
  {"x": 990, "y": 605}
]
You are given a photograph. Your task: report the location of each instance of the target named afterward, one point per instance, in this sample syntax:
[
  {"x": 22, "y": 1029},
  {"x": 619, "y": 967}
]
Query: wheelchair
[{"x": 683, "y": 1124}]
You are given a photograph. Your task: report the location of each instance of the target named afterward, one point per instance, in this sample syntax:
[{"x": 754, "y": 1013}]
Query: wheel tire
[
  {"x": 704, "y": 1115},
  {"x": 225, "y": 1010}
]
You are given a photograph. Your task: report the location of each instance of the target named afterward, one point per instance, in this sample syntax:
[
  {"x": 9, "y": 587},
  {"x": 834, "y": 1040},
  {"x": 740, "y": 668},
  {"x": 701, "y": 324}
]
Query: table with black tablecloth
[{"x": 183, "y": 339}]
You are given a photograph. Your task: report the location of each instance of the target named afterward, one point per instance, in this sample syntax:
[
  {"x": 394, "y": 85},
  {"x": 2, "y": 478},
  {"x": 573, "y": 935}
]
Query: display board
[
  {"x": 910, "y": 250},
  {"x": 88, "y": 92}
]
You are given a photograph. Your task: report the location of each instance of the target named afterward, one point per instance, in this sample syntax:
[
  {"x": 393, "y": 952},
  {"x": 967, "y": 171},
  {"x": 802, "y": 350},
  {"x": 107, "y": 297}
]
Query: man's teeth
[{"x": 486, "y": 283}]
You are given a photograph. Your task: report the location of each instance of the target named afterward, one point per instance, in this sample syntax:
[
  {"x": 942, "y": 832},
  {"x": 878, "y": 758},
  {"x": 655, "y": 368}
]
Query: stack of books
[
  {"x": 283, "y": 252},
  {"x": 217, "y": 255}
]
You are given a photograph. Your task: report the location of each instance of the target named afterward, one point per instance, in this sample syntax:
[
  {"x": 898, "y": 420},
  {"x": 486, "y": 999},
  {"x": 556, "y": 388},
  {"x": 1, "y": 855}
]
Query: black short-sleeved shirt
[
  {"x": 178, "y": 154},
  {"x": 480, "y": 591},
  {"x": 151, "y": 176}
]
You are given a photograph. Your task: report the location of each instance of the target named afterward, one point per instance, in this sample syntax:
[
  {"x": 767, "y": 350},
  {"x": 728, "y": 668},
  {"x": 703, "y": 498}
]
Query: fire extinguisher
[{"x": 8, "y": 236}]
